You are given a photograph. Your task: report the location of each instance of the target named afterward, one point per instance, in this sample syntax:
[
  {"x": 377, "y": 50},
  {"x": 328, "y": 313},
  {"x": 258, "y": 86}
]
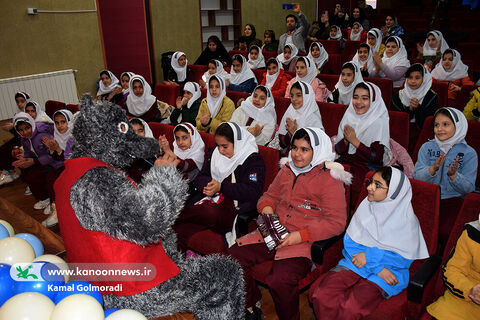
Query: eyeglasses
[{"x": 376, "y": 185}]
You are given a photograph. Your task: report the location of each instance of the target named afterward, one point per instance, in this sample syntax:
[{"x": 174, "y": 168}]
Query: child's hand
[
  {"x": 178, "y": 103},
  {"x": 359, "y": 259},
  {"x": 455, "y": 87},
  {"x": 474, "y": 294},
  {"x": 165, "y": 160},
  {"x": 351, "y": 136},
  {"x": 452, "y": 171},
  {"x": 296, "y": 8},
  {"x": 291, "y": 126},
  {"x": 204, "y": 119},
  {"x": 162, "y": 140},
  {"x": 388, "y": 277},
  {"x": 291, "y": 239},
  {"x": 255, "y": 131},
  {"x": 413, "y": 104},
  {"x": 202, "y": 83},
  {"x": 23, "y": 163},
  {"x": 212, "y": 187},
  {"x": 438, "y": 163}
]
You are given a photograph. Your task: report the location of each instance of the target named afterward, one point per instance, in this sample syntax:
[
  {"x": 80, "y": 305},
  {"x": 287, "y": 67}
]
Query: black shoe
[{"x": 256, "y": 314}]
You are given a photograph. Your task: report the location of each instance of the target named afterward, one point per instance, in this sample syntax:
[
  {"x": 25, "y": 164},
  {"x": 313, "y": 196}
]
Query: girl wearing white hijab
[
  {"x": 363, "y": 58},
  {"x": 64, "y": 121},
  {"x": 357, "y": 33},
  {"x": 452, "y": 70},
  {"x": 179, "y": 72},
  {"x": 230, "y": 182},
  {"x": 394, "y": 63},
  {"x": 34, "y": 110},
  {"x": 215, "y": 67},
  {"x": 141, "y": 128},
  {"x": 125, "y": 81},
  {"x": 109, "y": 87},
  {"x": 275, "y": 79},
  {"x": 416, "y": 97},
  {"x": 242, "y": 78},
  {"x": 374, "y": 39},
  {"x": 318, "y": 55},
  {"x": 140, "y": 101},
  {"x": 349, "y": 78},
  {"x": 255, "y": 58},
  {"x": 288, "y": 57},
  {"x": 257, "y": 115},
  {"x": 307, "y": 71},
  {"x": 336, "y": 34},
  {"x": 433, "y": 48},
  {"x": 382, "y": 240},
  {"x": 187, "y": 106}
]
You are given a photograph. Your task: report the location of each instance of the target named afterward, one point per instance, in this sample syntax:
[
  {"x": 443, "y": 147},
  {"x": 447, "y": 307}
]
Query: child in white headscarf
[
  {"x": 215, "y": 67},
  {"x": 34, "y": 110},
  {"x": 349, "y": 78},
  {"x": 363, "y": 58},
  {"x": 394, "y": 63},
  {"x": 357, "y": 33},
  {"x": 109, "y": 87},
  {"x": 178, "y": 74},
  {"x": 433, "y": 48},
  {"x": 275, "y": 79},
  {"x": 288, "y": 57},
  {"x": 140, "y": 101},
  {"x": 318, "y": 55},
  {"x": 255, "y": 58},
  {"x": 187, "y": 106},
  {"x": 242, "y": 78},
  {"x": 374, "y": 40},
  {"x": 336, "y": 34}
]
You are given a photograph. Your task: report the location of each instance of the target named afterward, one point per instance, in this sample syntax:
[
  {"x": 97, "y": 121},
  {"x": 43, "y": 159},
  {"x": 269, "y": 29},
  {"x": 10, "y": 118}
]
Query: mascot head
[{"x": 102, "y": 131}]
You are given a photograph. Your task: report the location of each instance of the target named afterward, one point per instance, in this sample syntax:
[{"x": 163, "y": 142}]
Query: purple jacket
[{"x": 40, "y": 152}]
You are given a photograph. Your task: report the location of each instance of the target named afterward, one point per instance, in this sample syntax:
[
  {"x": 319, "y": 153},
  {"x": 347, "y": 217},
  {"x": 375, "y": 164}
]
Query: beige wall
[{"x": 46, "y": 42}]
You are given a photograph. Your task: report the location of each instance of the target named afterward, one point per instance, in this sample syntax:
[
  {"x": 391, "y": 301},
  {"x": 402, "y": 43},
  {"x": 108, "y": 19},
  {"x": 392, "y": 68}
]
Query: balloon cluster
[{"x": 44, "y": 299}]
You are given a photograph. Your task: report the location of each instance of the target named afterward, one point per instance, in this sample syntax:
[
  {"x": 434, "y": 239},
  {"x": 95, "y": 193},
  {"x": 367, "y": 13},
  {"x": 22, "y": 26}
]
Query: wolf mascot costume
[{"x": 105, "y": 218}]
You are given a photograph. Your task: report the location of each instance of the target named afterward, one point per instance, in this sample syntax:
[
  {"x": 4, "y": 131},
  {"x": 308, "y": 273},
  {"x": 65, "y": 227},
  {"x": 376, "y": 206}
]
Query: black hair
[
  {"x": 334, "y": 26},
  {"x": 391, "y": 16},
  {"x": 224, "y": 130},
  {"x": 272, "y": 61},
  {"x": 445, "y": 112},
  {"x": 238, "y": 58},
  {"x": 271, "y": 33},
  {"x": 180, "y": 128},
  {"x": 137, "y": 80},
  {"x": 254, "y": 47},
  {"x": 362, "y": 85},
  {"x": 386, "y": 173},
  {"x": 364, "y": 45},
  {"x": 31, "y": 104},
  {"x": 242, "y": 39},
  {"x": 301, "y": 59},
  {"x": 296, "y": 85},
  {"x": 349, "y": 65},
  {"x": 448, "y": 51},
  {"x": 105, "y": 72},
  {"x": 20, "y": 122},
  {"x": 300, "y": 134},
  {"x": 262, "y": 88},
  {"x": 292, "y": 16},
  {"x": 315, "y": 44},
  {"x": 416, "y": 67},
  {"x": 212, "y": 62},
  {"x": 392, "y": 39},
  {"x": 137, "y": 121},
  {"x": 19, "y": 95}
]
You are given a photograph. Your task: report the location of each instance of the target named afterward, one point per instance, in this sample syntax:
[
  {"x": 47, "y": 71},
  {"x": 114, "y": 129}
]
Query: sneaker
[
  {"x": 256, "y": 314},
  {"x": 42, "y": 204},
  {"x": 14, "y": 175},
  {"x": 51, "y": 220},
  {"x": 47, "y": 210},
  {"x": 27, "y": 191},
  {"x": 5, "y": 177}
]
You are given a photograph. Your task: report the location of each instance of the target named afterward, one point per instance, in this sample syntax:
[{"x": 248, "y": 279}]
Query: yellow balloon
[
  {"x": 56, "y": 260},
  {"x": 9, "y": 227},
  {"x": 27, "y": 306},
  {"x": 126, "y": 314},
  {"x": 15, "y": 250},
  {"x": 78, "y": 307}
]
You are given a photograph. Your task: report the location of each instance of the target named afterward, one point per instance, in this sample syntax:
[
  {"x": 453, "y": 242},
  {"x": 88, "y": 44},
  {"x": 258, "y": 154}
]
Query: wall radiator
[{"x": 57, "y": 85}]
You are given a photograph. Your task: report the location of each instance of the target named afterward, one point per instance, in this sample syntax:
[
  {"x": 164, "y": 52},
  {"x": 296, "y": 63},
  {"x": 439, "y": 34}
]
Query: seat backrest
[
  {"x": 386, "y": 87},
  {"x": 330, "y": 80},
  {"x": 73, "y": 108},
  {"x": 271, "y": 157},
  {"x": 235, "y": 96},
  {"x": 242, "y": 52},
  {"x": 332, "y": 114},
  {"x": 259, "y": 74},
  {"x": 281, "y": 106},
  {"x": 349, "y": 50},
  {"x": 425, "y": 134},
  {"x": 51, "y": 106},
  {"x": 167, "y": 93},
  {"x": 333, "y": 65},
  {"x": 464, "y": 97},
  {"x": 269, "y": 54},
  {"x": 399, "y": 127},
  {"x": 441, "y": 89},
  {"x": 331, "y": 46},
  {"x": 196, "y": 72}
]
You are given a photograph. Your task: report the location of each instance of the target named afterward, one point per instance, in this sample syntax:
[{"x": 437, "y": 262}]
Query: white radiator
[{"x": 57, "y": 85}]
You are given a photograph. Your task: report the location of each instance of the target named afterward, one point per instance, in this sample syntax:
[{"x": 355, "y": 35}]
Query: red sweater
[{"x": 280, "y": 85}]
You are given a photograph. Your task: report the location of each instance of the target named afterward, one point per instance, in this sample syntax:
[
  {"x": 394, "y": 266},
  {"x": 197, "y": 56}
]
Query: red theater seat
[
  {"x": 51, "y": 106},
  {"x": 167, "y": 93},
  {"x": 399, "y": 127},
  {"x": 349, "y": 50},
  {"x": 281, "y": 106},
  {"x": 333, "y": 65},
  {"x": 332, "y": 114},
  {"x": 331, "y": 46},
  {"x": 234, "y": 52},
  {"x": 441, "y": 89},
  {"x": 72, "y": 108},
  {"x": 196, "y": 72}
]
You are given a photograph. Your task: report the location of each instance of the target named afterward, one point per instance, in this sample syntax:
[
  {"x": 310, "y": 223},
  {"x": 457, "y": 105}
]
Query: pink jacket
[
  {"x": 320, "y": 89},
  {"x": 312, "y": 203}
]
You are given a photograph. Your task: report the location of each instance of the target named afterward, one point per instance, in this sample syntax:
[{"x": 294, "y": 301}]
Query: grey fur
[{"x": 105, "y": 200}]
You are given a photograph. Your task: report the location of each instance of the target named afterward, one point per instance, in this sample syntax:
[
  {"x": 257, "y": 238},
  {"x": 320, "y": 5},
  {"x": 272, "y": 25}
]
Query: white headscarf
[
  {"x": 196, "y": 152},
  {"x": 378, "y": 38},
  {"x": 62, "y": 138},
  {"x": 270, "y": 79},
  {"x": 23, "y": 117},
  {"x": 308, "y": 115},
  {"x": 259, "y": 62},
  {"x": 220, "y": 72},
  {"x": 406, "y": 94},
  {"x": 427, "y": 51},
  {"x": 194, "y": 89},
  {"x": 263, "y": 115},
  {"x": 129, "y": 75},
  {"x": 356, "y": 36},
  {"x": 244, "y": 145},
  {"x": 146, "y": 127},
  {"x": 322, "y": 150},
  {"x": 461, "y": 128},
  {"x": 179, "y": 70},
  {"x": 371, "y": 126},
  {"x": 41, "y": 115},
  {"x": 458, "y": 70},
  {"x": 245, "y": 74},
  {"x": 390, "y": 224},
  {"x": 138, "y": 106},
  {"x": 103, "y": 89},
  {"x": 293, "y": 54},
  {"x": 322, "y": 58},
  {"x": 368, "y": 62},
  {"x": 214, "y": 103},
  {"x": 338, "y": 35},
  {"x": 346, "y": 93},
  {"x": 25, "y": 96},
  {"x": 311, "y": 70},
  {"x": 398, "y": 59}
]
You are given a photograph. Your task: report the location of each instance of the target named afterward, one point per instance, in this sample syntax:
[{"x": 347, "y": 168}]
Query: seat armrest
[
  {"x": 319, "y": 247},
  {"x": 420, "y": 278},
  {"x": 243, "y": 219}
]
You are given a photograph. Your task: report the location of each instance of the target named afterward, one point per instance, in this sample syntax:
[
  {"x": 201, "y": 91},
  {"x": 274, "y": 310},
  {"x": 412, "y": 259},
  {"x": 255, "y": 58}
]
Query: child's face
[
  {"x": 391, "y": 49},
  {"x": 443, "y": 127},
  {"x": 301, "y": 69},
  {"x": 415, "y": 80},
  {"x": 287, "y": 53},
  {"x": 224, "y": 146},
  {"x": 242, "y": 46},
  {"x": 125, "y": 81},
  {"x": 296, "y": 98},
  {"x": 183, "y": 139},
  {"x": 377, "y": 189},
  {"x": 254, "y": 54},
  {"x": 187, "y": 95},
  {"x": 363, "y": 54},
  {"x": 138, "y": 129},
  {"x": 106, "y": 80},
  {"x": 259, "y": 98},
  {"x": 182, "y": 61},
  {"x": 61, "y": 123},
  {"x": 31, "y": 111},
  {"x": 315, "y": 51},
  {"x": 447, "y": 61},
  {"x": 371, "y": 40},
  {"x": 361, "y": 101},
  {"x": 248, "y": 31},
  {"x": 355, "y": 28},
  {"x": 212, "y": 68},
  {"x": 389, "y": 21},
  {"x": 212, "y": 46},
  {"x": 21, "y": 102},
  {"x": 24, "y": 130},
  {"x": 347, "y": 76},
  {"x": 302, "y": 153},
  {"x": 272, "y": 69},
  {"x": 237, "y": 66},
  {"x": 267, "y": 39},
  {"x": 137, "y": 88},
  {"x": 432, "y": 41},
  {"x": 214, "y": 88},
  {"x": 333, "y": 32}
]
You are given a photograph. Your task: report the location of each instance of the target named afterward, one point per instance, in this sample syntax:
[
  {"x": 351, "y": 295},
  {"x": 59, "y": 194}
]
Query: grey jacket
[{"x": 298, "y": 35}]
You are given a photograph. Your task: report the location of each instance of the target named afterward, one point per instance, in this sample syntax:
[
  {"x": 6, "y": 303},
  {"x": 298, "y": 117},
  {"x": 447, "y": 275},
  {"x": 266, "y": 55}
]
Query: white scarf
[
  {"x": 25, "y": 96},
  {"x": 179, "y": 70},
  {"x": 103, "y": 89},
  {"x": 270, "y": 79},
  {"x": 293, "y": 54},
  {"x": 371, "y": 126},
  {"x": 308, "y": 115},
  {"x": 23, "y": 117},
  {"x": 263, "y": 115},
  {"x": 220, "y": 72},
  {"x": 129, "y": 75},
  {"x": 311, "y": 70},
  {"x": 194, "y": 89},
  {"x": 378, "y": 38},
  {"x": 322, "y": 150},
  {"x": 407, "y": 93},
  {"x": 62, "y": 138},
  {"x": 398, "y": 59},
  {"x": 356, "y": 36},
  {"x": 196, "y": 152},
  {"x": 362, "y": 63},
  {"x": 461, "y": 128},
  {"x": 244, "y": 145},
  {"x": 458, "y": 70},
  {"x": 322, "y": 58},
  {"x": 428, "y": 51},
  {"x": 138, "y": 106},
  {"x": 390, "y": 224},
  {"x": 245, "y": 74},
  {"x": 214, "y": 103},
  {"x": 146, "y": 127},
  {"x": 346, "y": 93},
  {"x": 337, "y": 35},
  {"x": 259, "y": 62},
  {"x": 41, "y": 115}
]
